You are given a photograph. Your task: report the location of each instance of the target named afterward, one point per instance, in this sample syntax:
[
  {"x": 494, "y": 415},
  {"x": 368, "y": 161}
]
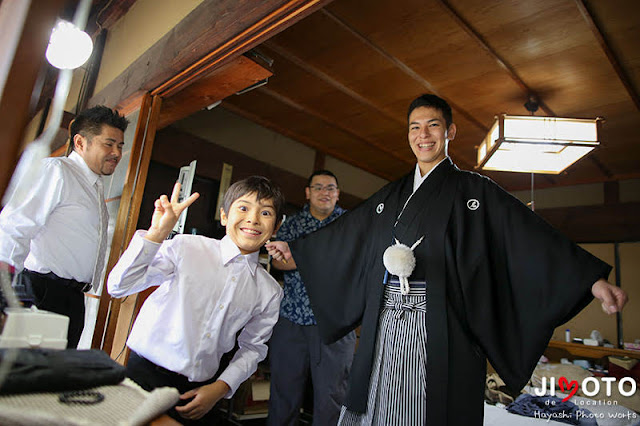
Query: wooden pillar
[
  {"x": 318, "y": 163},
  {"x": 131, "y": 198},
  {"x": 612, "y": 192}
]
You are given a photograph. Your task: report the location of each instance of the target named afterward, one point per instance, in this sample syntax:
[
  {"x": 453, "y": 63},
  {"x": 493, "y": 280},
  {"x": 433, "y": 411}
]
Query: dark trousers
[
  {"x": 150, "y": 376},
  {"x": 51, "y": 293},
  {"x": 294, "y": 352}
]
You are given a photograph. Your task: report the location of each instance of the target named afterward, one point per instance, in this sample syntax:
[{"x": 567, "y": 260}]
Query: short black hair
[
  {"x": 432, "y": 101},
  {"x": 262, "y": 187},
  {"x": 90, "y": 121},
  {"x": 321, "y": 173}
]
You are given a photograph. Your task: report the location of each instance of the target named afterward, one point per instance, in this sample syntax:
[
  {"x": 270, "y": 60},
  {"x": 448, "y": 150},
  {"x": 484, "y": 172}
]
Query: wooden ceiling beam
[
  {"x": 109, "y": 12},
  {"x": 332, "y": 123},
  {"x": 502, "y": 63},
  {"x": 604, "y": 44},
  {"x": 404, "y": 68},
  {"x": 304, "y": 139}
]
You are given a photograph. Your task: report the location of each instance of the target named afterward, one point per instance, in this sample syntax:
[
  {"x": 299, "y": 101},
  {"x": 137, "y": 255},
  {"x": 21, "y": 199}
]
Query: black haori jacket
[{"x": 499, "y": 280}]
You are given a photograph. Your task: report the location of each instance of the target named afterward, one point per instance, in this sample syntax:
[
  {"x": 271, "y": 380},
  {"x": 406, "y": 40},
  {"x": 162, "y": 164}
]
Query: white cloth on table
[{"x": 123, "y": 404}]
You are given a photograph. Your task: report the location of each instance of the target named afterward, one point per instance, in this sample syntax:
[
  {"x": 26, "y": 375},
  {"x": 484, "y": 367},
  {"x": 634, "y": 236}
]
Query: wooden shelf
[{"x": 596, "y": 352}]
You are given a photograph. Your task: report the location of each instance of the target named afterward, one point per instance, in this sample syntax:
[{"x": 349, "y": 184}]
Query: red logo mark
[{"x": 566, "y": 386}]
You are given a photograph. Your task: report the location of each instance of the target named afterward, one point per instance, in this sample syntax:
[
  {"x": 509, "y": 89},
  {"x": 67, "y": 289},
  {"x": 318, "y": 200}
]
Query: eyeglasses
[{"x": 319, "y": 188}]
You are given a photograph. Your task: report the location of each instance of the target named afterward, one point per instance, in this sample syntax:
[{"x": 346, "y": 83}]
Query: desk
[{"x": 595, "y": 352}]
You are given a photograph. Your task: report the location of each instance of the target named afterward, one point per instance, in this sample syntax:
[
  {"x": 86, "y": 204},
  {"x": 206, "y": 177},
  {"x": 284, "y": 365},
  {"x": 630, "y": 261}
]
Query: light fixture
[
  {"x": 69, "y": 47},
  {"x": 533, "y": 144}
]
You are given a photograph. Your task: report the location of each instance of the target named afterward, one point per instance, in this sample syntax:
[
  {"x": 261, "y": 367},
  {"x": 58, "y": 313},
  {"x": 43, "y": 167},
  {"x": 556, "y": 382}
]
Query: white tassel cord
[{"x": 400, "y": 261}]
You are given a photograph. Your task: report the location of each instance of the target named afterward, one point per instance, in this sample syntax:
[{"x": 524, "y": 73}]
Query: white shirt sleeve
[
  {"x": 252, "y": 345},
  {"x": 143, "y": 264},
  {"x": 23, "y": 217}
]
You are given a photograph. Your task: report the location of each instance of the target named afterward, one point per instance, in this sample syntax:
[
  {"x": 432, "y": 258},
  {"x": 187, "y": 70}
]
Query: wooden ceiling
[{"x": 344, "y": 77}]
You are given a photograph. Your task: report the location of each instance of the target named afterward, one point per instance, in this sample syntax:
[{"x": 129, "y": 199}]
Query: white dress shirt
[
  {"x": 208, "y": 292},
  {"x": 55, "y": 228}
]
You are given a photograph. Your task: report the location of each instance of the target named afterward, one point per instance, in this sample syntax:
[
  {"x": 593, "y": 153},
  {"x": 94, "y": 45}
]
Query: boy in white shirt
[{"x": 209, "y": 290}]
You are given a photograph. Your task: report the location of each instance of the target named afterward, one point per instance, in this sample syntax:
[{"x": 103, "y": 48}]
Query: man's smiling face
[{"x": 429, "y": 136}]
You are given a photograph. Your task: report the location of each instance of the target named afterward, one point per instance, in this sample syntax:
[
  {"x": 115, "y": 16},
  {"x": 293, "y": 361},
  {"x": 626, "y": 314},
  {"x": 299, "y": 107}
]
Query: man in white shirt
[
  {"x": 55, "y": 235},
  {"x": 210, "y": 291}
]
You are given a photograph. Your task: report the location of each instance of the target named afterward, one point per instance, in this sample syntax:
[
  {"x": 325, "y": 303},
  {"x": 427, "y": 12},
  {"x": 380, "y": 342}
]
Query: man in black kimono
[{"x": 498, "y": 278}]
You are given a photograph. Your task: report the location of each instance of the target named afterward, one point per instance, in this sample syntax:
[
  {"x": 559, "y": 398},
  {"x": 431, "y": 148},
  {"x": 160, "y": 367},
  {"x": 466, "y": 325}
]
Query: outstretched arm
[
  {"x": 279, "y": 250},
  {"x": 613, "y": 298},
  {"x": 166, "y": 214}
]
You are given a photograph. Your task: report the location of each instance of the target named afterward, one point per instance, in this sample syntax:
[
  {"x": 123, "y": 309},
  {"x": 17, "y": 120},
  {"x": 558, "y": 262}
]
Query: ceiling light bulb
[{"x": 69, "y": 47}]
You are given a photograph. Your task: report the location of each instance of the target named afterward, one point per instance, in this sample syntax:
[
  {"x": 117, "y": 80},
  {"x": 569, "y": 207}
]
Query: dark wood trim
[
  {"x": 404, "y": 68},
  {"x": 594, "y": 352},
  {"x": 91, "y": 73},
  {"x": 319, "y": 161},
  {"x": 133, "y": 209},
  {"x": 22, "y": 47},
  {"x": 214, "y": 32},
  {"x": 606, "y": 48},
  {"x": 502, "y": 63},
  {"x": 304, "y": 139},
  {"x": 332, "y": 123},
  {"x": 108, "y": 15},
  {"x": 612, "y": 192},
  {"x": 605, "y": 223}
]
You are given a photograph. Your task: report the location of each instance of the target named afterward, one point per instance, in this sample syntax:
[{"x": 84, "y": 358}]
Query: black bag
[{"x": 51, "y": 370}]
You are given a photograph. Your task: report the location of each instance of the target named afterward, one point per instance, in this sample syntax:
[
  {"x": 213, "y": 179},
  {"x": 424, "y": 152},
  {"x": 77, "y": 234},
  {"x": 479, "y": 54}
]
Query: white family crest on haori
[{"x": 399, "y": 260}]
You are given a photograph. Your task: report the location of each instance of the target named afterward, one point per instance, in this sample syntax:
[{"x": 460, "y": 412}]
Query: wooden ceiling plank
[
  {"x": 403, "y": 67},
  {"x": 293, "y": 104},
  {"x": 290, "y": 56},
  {"x": 306, "y": 140},
  {"x": 611, "y": 56},
  {"x": 466, "y": 26}
]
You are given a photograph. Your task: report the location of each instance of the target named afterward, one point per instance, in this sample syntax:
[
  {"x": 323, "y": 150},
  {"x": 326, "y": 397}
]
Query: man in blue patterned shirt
[{"x": 295, "y": 347}]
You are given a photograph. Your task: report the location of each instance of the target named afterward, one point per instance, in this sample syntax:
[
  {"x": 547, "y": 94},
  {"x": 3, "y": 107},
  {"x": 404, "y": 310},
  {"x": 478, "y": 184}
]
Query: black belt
[{"x": 69, "y": 282}]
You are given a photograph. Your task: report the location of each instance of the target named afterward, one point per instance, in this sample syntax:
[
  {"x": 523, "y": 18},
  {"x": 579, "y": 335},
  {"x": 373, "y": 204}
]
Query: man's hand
[
  {"x": 613, "y": 298},
  {"x": 166, "y": 214},
  {"x": 279, "y": 250},
  {"x": 204, "y": 398}
]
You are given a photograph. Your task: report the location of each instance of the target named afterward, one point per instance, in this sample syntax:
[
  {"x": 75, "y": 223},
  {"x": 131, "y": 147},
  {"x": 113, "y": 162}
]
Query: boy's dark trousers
[{"x": 150, "y": 376}]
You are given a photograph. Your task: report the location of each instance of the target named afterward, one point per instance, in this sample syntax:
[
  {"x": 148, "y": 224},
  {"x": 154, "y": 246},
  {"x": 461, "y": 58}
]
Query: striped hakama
[{"x": 398, "y": 386}]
